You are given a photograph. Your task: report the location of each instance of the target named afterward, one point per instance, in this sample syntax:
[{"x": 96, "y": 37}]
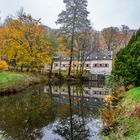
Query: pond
[{"x": 53, "y": 112}]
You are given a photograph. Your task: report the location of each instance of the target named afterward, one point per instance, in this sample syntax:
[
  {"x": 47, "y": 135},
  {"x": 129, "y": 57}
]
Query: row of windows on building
[
  {"x": 98, "y": 65},
  {"x": 86, "y": 65}
]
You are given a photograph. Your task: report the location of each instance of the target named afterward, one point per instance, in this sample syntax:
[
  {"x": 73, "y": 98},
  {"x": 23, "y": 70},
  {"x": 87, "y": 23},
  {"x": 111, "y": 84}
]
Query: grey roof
[
  {"x": 99, "y": 55},
  {"x": 92, "y": 55}
]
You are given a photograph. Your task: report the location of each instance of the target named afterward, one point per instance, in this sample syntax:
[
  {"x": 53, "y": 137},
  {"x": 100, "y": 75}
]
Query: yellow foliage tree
[
  {"x": 24, "y": 43},
  {"x": 3, "y": 65}
]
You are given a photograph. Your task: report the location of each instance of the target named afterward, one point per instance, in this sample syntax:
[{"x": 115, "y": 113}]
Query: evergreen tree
[
  {"x": 127, "y": 63},
  {"x": 73, "y": 20}
]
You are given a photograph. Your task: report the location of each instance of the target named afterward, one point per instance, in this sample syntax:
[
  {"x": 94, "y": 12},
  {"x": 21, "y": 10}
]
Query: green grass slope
[
  {"x": 133, "y": 94},
  {"x": 128, "y": 121},
  {"x": 13, "y": 82}
]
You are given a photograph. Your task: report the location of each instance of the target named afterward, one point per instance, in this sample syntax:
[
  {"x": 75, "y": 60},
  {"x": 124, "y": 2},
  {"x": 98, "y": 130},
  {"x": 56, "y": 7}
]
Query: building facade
[{"x": 98, "y": 63}]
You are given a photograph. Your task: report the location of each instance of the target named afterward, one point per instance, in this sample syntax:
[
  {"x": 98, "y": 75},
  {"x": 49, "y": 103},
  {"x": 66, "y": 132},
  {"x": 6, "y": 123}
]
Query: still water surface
[{"x": 58, "y": 112}]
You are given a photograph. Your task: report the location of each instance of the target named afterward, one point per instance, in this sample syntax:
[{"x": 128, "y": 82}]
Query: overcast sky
[{"x": 103, "y": 13}]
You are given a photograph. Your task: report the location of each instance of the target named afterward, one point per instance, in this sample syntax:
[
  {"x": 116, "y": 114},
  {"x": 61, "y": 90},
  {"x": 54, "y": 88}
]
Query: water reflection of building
[
  {"x": 86, "y": 92},
  {"x": 80, "y": 109}
]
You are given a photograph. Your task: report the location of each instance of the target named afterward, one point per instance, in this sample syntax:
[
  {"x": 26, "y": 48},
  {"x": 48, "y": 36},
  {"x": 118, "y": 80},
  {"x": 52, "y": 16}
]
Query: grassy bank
[
  {"x": 128, "y": 121},
  {"x": 13, "y": 82}
]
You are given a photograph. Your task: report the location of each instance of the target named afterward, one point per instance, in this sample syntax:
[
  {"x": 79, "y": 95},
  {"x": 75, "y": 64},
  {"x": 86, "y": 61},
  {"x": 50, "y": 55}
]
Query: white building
[{"x": 99, "y": 63}]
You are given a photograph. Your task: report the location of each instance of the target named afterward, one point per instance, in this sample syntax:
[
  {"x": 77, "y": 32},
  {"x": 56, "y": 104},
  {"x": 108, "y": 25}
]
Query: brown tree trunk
[
  {"x": 72, "y": 44},
  {"x": 71, "y": 54},
  {"x": 60, "y": 66},
  {"x": 50, "y": 73},
  {"x": 21, "y": 68}
]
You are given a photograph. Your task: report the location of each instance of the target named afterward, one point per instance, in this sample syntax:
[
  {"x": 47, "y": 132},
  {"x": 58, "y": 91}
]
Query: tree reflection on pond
[
  {"x": 23, "y": 116},
  {"x": 73, "y": 124},
  {"x": 61, "y": 112}
]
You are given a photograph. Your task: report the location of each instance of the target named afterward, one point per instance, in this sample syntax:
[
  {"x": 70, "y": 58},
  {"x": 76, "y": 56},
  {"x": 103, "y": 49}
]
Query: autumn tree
[
  {"x": 115, "y": 38},
  {"x": 73, "y": 20},
  {"x": 25, "y": 43},
  {"x": 95, "y": 39},
  {"x": 3, "y": 66},
  {"x": 125, "y": 35},
  {"x": 110, "y": 35}
]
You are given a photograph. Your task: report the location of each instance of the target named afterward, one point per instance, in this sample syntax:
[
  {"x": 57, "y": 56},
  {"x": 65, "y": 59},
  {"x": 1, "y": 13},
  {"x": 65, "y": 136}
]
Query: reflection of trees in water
[
  {"x": 78, "y": 99},
  {"x": 73, "y": 127},
  {"x": 88, "y": 106},
  {"x": 80, "y": 131},
  {"x": 23, "y": 116}
]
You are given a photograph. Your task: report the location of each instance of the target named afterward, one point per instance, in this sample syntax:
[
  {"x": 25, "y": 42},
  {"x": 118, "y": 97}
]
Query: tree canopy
[
  {"x": 73, "y": 20},
  {"x": 23, "y": 42}
]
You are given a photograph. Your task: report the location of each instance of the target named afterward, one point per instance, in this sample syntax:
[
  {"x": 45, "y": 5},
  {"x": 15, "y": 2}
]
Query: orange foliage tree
[
  {"x": 3, "y": 65},
  {"x": 24, "y": 43}
]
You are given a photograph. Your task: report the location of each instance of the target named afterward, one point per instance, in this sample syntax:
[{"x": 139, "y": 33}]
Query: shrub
[
  {"x": 3, "y": 65},
  {"x": 108, "y": 99},
  {"x": 130, "y": 87}
]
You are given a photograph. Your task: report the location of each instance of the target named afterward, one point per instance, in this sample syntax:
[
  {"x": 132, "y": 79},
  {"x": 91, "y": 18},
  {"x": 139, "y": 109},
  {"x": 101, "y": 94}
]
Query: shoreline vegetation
[
  {"x": 74, "y": 77},
  {"x": 12, "y": 82},
  {"x": 122, "y": 119},
  {"x": 121, "y": 115}
]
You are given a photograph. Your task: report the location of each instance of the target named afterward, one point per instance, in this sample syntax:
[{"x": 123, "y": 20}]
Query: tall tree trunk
[
  {"x": 78, "y": 62},
  {"x": 72, "y": 44},
  {"x": 15, "y": 65},
  {"x": 60, "y": 66},
  {"x": 21, "y": 68},
  {"x": 71, "y": 56},
  {"x": 50, "y": 73}
]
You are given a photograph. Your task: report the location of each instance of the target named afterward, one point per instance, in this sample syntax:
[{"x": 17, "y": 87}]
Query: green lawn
[
  {"x": 12, "y": 81},
  {"x": 9, "y": 79},
  {"x": 133, "y": 94}
]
